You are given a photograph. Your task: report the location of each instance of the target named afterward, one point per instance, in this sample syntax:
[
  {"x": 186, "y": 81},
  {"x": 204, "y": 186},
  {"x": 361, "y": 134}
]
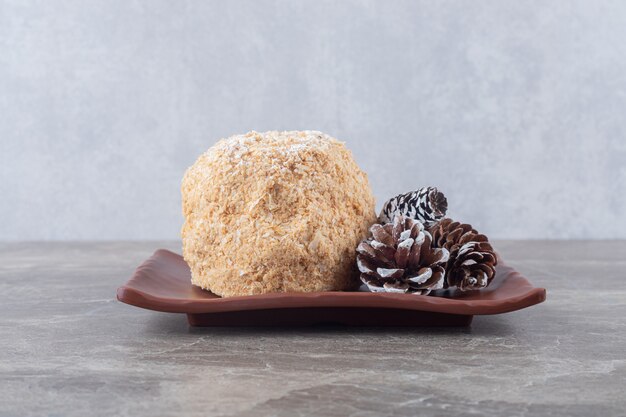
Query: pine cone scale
[
  {"x": 436, "y": 281},
  {"x": 366, "y": 266},
  {"x": 390, "y": 274},
  {"x": 372, "y": 283},
  {"x": 422, "y": 276},
  {"x": 372, "y": 253},
  {"x": 402, "y": 253},
  {"x": 414, "y": 255},
  {"x": 381, "y": 235}
]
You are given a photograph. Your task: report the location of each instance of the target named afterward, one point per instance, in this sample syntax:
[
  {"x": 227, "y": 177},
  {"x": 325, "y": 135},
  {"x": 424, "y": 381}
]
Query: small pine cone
[
  {"x": 399, "y": 258},
  {"x": 472, "y": 260},
  {"x": 428, "y": 205}
]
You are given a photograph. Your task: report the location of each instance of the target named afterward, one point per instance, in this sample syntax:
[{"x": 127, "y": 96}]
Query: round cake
[{"x": 275, "y": 212}]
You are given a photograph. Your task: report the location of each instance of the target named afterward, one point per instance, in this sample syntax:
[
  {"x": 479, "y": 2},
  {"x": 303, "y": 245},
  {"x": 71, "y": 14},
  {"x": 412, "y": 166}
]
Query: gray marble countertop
[{"x": 68, "y": 348}]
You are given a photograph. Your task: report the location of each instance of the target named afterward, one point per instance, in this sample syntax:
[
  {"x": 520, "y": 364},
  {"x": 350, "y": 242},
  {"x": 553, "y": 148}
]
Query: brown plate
[{"x": 163, "y": 283}]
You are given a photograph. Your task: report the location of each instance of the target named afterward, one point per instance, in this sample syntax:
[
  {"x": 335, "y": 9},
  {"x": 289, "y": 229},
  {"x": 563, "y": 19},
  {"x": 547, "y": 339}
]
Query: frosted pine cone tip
[{"x": 427, "y": 205}]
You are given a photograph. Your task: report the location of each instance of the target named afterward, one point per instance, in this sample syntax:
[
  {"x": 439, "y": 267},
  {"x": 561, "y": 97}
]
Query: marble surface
[{"x": 68, "y": 348}]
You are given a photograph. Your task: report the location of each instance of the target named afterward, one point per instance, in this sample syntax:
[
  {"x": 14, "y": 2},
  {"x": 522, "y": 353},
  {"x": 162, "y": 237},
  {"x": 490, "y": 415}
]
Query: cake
[{"x": 275, "y": 212}]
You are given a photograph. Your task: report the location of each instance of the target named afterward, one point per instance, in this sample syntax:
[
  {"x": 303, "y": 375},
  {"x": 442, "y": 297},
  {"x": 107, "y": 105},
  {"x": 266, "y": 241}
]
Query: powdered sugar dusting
[{"x": 286, "y": 143}]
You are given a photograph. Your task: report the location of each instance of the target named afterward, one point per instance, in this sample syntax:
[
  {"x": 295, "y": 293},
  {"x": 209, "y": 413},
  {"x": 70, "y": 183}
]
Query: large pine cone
[
  {"x": 472, "y": 260},
  {"x": 399, "y": 258},
  {"x": 428, "y": 205}
]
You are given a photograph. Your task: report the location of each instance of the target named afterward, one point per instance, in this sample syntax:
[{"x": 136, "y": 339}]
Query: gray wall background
[{"x": 515, "y": 109}]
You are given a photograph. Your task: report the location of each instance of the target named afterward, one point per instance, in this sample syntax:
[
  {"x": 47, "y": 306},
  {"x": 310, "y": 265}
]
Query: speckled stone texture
[{"x": 68, "y": 348}]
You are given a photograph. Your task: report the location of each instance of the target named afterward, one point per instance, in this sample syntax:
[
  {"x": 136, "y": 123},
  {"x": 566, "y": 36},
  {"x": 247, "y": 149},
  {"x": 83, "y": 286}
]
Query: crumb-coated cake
[{"x": 275, "y": 212}]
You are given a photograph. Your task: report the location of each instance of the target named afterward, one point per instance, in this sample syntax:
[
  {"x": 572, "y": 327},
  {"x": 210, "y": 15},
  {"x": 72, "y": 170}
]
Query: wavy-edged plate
[{"x": 163, "y": 283}]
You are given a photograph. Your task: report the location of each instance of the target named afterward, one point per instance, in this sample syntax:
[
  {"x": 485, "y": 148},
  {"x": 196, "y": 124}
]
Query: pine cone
[
  {"x": 428, "y": 205},
  {"x": 472, "y": 260},
  {"x": 399, "y": 258}
]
